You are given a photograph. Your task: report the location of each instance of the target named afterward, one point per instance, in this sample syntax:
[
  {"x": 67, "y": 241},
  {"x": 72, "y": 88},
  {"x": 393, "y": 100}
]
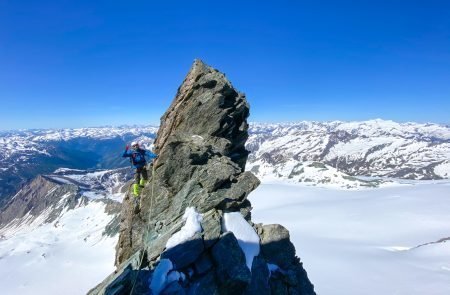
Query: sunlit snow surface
[
  {"x": 190, "y": 228},
  {"x": 68, "y": 256},
  {"x": 246, "y": 236},
  {"x": 351, "y": 241},
  {"x": 364, "y": 242}
]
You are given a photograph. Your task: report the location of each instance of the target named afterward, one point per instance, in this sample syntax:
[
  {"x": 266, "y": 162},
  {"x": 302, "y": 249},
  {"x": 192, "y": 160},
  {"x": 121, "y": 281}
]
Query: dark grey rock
[
  {"x": 205, "y": 285},
  {"x": 278, "y": 287},
  {"x": 259, "y": 284},
  {"x": 201, "y": 163},
  {"x": 203, "y": 264},
  {"x": 186, "y": 253},
  {"x": 232, "y": 272},
  {"x": 236, "y": 194},
  {"x": 122, "y": 280},
  {"x": 211, "y": 227},
  {"x": 302, "y": 283},
  {"x": 174, "y": 288},
  {"x": 276, "y": 246}
]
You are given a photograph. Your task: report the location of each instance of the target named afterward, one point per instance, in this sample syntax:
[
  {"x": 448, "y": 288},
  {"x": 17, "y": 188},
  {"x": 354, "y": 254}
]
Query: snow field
[
  {"x": 68, "y": 256},
  {"x": 365, "y": 242},
  {"x": 373, "y": 241}
]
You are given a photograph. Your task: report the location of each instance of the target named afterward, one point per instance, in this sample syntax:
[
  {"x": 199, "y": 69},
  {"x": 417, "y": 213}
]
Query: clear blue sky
[{"x": 90, "y": 63}]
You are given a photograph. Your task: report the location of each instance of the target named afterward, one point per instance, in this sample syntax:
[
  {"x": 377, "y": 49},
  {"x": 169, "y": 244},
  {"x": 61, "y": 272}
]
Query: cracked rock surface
[{"x": 201, "y": 164}]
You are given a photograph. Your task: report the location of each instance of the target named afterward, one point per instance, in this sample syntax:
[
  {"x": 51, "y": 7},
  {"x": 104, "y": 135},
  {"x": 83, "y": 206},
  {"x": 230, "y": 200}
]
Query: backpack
[{"x": 138, "y": 157}]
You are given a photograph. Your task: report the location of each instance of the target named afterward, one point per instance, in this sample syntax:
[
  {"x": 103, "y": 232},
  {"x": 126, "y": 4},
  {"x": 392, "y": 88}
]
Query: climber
[{"x": 137, "y": 159}]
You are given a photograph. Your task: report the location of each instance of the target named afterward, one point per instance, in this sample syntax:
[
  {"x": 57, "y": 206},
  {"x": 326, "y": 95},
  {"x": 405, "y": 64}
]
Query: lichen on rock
[{"x": 201, "y": 164}]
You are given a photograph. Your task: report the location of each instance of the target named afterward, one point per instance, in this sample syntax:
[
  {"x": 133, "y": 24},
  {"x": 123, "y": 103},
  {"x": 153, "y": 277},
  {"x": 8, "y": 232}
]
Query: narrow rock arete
[{"x": 200, "y": 189}]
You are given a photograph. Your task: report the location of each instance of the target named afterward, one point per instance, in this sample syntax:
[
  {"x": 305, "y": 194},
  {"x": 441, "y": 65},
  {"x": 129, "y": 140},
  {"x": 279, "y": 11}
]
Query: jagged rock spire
[
  {"x": 200, "y": 168},
  {"x": 207, "y": 105}
]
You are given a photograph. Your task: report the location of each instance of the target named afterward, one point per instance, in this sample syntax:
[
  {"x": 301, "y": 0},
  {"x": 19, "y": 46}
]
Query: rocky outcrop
[
  {"x": 46, "y": 198},
  {"x": 38, "y": 196},
  {"x": 194, "y": 234}
]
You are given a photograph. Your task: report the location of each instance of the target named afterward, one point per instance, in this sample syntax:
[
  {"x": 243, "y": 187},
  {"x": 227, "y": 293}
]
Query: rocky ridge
[
  {"x": 194, "y": 234},
  {"x": 48, "y": 197},
  {"x": 378, "y": 148}
]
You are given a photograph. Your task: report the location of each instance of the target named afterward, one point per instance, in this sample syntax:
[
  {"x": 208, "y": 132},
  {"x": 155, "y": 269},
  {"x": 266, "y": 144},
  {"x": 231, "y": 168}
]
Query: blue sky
[{"x": 92, "y": 63}]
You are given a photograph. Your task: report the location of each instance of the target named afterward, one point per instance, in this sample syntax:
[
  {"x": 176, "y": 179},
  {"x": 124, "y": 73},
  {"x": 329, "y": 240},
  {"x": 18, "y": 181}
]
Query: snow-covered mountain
[
  {"x": 28, "y": 153},
  {"x": 347, "y": 149},
  {"x": 48, "y": 197},
  {"x": 66, "y": 221},
  {"x": 23, "y": 145},
  {"x": 368, "y": 148},
  {"x": 312, "y": 173}
]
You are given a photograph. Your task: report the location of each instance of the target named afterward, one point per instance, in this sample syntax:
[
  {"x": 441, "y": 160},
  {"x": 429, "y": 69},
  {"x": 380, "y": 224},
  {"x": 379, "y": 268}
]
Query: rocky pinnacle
[{"x": 201, "y": 166}]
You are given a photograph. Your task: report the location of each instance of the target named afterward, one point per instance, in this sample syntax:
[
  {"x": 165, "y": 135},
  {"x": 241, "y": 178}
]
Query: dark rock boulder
[
  {"x": 205, "y": 285},
  {"x": 232, "y": 273},
  {"x": 198, "y": 178},
  {"x": 184, "y": 254},
  {"x": 260, "y": 276},
  {"x": 203, "y": 264},
  {"x": 276, "y": 246}
]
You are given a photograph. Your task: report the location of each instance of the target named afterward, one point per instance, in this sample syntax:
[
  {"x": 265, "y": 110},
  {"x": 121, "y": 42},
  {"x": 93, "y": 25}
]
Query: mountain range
[
  {"x": 28, "y": 153},
  {"x": 338, "y": 150},
  {"x": 368, "y": 148},
  {"x": 65, "y": 203}
]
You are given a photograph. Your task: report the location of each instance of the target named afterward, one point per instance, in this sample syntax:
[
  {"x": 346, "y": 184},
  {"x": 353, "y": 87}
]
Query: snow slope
[
  {"x": 67, "y": 256},
  {"x": 311, "y": 173},
  {"x": 59, "y": 232},
  {"x": 366, "y": 241},
  {"x": 384, "y": 240}
]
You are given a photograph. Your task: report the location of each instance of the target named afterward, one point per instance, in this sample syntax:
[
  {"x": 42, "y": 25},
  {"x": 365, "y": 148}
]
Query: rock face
[
  {"x": 202, "y": 156},
  {"x": 38, "y": 196},
  {"x": 48, "y": 197}
]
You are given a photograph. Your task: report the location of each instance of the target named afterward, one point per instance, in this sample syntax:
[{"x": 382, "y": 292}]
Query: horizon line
[{"x": 249, "y": 122}]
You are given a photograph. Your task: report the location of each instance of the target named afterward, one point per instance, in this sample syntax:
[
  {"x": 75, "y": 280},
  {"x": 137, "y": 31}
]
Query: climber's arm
[
  {"x": 151, "y": 155},
  {"x": 126, "y": 153}
]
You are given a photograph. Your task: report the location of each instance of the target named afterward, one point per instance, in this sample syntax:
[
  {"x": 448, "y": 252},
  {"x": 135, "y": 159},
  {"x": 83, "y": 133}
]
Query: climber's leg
[
  {"x": 136, "y": 189},
  {"x": 137, "y": 179},
  {"x": 144, "y": 177}
]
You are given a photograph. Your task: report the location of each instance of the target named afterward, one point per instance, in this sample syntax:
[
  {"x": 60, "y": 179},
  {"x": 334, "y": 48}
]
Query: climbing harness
[{"x": 148, "y": 227}]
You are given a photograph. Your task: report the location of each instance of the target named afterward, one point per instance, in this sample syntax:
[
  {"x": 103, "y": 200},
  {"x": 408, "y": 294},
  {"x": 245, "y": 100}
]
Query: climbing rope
[{"x": 148, "y": 228}]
